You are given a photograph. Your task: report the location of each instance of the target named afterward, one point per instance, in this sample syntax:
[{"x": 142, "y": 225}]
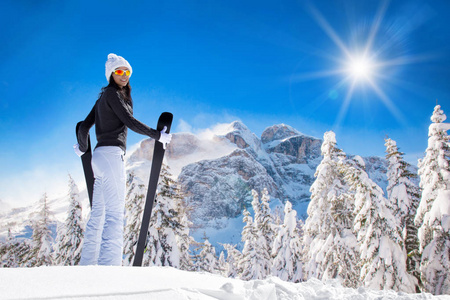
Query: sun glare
[
  {"x": 357, "y": 64},
  {"x": 360, "y": 68}
]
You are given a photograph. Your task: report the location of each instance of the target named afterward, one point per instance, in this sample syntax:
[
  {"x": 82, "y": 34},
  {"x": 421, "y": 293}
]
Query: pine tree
[
  {"x": 383, "y": 258},
  {"x": 162, "y": 247},
  {"x": 7, "y": 255},
  {"x": 319, "y": 218},
  {"x": 206, "y": 260},
  {"x": 263, "y": 231},
  {"x": 69, "y": 239},
  {"x": 404, "y": 196},
  {"x": 433, "y": 214},
  {"x": 135, "y": 198},
  {"x": 330, "y": 248},
  {"x": 287, "y": 248},
  {"x": 185, "y": 240},
  {"x": 254, "y": 262},
  {"x": 248, "y": 252},
  {"x": 4, "y": 251},
  {"x": 154, "y": 250},
  {"x": 41, "y": 238},
  {"x": 168, "y": 240},
  {"x": 234, "y": 256},
  {"x": 183, "y": 237},
  {"x": 16, "y": 253},
  {"x": 222, "y": 264},
  {"x": 264, "y": 220}
]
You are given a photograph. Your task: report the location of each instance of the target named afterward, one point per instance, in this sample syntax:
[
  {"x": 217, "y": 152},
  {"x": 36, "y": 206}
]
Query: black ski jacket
[{"x": 112, "y": 115}]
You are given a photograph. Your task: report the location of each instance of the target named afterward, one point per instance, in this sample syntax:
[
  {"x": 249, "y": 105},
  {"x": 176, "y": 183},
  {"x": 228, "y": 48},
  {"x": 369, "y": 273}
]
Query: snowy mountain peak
[
  {"x": 240, "y": 135},
  {"x": 221, "y": 130},
  {"x": 278, "y": 132},
  {"x": 238, "y": 125}
]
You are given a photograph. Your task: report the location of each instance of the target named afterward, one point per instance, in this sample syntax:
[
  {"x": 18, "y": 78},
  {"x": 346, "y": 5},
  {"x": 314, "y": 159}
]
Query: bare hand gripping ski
[{"x": 158, "y": 154}]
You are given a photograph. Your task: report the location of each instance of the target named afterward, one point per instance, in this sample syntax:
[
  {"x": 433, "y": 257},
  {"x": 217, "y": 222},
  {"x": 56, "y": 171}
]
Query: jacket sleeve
[
  {"x": 125, "y": 114},
  {"x": 83, "y": 131}
]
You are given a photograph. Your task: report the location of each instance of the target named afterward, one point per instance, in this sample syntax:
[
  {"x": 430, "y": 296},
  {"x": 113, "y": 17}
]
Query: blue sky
[{"x": 208, "y": 62}]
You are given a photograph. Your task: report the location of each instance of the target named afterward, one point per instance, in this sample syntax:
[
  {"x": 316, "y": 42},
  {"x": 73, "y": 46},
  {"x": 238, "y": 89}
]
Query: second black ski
[{"x": 158, "y": 154}]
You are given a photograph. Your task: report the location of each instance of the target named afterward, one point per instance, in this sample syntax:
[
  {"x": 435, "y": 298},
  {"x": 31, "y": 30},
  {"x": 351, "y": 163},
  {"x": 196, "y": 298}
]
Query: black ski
[
  {"x": 158, "y": 154},
  {"x": 86, "y": 159}
]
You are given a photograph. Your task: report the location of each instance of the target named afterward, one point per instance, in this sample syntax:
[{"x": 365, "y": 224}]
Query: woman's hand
[
  {"x": 165, "y": 138},
  {"x": 77, "y": 150}
]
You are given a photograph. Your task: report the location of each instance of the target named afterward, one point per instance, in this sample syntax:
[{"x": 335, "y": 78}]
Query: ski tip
[
  {"x": 167, "y": 114},
  {"x": 165, "y": 120}
]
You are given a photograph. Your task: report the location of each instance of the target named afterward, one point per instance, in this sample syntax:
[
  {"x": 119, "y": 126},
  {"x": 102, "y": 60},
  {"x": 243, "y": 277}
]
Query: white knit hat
[{"x": 114, "y": 62}]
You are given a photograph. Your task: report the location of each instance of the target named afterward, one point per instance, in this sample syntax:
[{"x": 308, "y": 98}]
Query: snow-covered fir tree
[
  {"x": 330, "y": 247},
  {"x": 69, "y": 238},
  {"x": 185, "y": 240},
  {"x": 287, "y": 248},
  {"x": 4, "y": 251},
  {"x": 7, "y": 252},
  {"x": 222, "y": 264},
  {"x": 234, "y": 256},
  {"x": 181, "y": 224},
  {"x": 42, "y": 236},
  {"x": 183, "y": 228},
  {"x": 433, "y": 214},
  {"x": 404, "y": 196},
  {"x": 382, "y": 254},
  {"x": 263, "y": 218},
  {"x": 248, "y": 258},
  {"x": 134, "y": 205},
  {"x": 254, "y": 260},
  {"x": 263, "y": 228},
  {"x": 153, "y": 250},
  {"x": 168, "y": 239},
  {"x": 206, "y": 260},
  {"x": 319, "y": 218},
  {"x": 15, "y": 252},
  {"x": 23, "y": 251}
]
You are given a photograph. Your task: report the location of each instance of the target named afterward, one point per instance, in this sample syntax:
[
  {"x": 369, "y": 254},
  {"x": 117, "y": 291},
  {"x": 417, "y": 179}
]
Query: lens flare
[{"x": 368, "y": 62}]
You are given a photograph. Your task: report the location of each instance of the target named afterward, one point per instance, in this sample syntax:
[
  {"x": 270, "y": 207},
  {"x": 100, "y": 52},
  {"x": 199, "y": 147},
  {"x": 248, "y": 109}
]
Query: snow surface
[{"x": 95, "y": 282}]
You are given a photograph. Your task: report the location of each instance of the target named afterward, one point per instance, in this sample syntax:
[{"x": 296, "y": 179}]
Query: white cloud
[
  {"x": 184, "y": 126},
  {"x": 215, "y": 130},
  {"x": 207, "y": 125},
  {"x": 27, "y": 187}
]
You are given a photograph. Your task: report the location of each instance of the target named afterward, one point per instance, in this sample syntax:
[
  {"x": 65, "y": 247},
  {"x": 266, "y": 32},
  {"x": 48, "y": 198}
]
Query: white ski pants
[{"x": 103, "y": 238}]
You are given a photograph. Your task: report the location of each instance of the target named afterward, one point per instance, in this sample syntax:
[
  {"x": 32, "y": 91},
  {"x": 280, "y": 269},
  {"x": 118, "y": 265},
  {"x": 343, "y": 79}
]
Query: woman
[{"x": 112, "y": 114}]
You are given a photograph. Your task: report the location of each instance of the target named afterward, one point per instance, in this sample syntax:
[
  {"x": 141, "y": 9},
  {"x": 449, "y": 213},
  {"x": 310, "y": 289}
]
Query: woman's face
[{"x": 121, "y": 80}]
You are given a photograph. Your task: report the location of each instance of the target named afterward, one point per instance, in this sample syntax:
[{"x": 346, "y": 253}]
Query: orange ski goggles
[{"x": 122, "y": 72}]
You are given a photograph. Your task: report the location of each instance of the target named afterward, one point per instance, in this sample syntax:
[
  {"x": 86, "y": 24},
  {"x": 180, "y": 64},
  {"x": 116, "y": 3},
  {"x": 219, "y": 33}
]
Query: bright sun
[
  {"x": 363, "y": 64},
  {"x": 360, "y": 67}
]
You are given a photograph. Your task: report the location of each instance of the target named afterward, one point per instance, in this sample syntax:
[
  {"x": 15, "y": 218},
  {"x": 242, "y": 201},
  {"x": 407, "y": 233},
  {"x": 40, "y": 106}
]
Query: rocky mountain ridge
[
  {"x": 218, "y": 169},
  {"x": 218, "y": 174}
]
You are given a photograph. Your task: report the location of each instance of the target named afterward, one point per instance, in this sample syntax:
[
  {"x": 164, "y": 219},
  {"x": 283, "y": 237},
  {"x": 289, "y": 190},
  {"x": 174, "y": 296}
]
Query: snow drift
[{"x": 94, "y": 282}]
